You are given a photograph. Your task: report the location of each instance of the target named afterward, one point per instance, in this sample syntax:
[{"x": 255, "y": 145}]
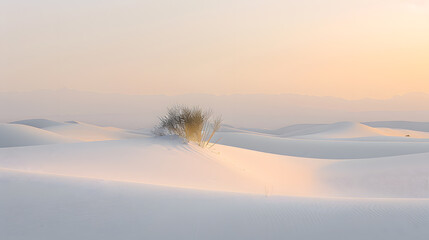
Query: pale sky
[{"x": 343, "y": 48}]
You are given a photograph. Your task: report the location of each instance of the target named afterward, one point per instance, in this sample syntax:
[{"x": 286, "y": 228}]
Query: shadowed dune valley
[{"x": 214, "y": 120}]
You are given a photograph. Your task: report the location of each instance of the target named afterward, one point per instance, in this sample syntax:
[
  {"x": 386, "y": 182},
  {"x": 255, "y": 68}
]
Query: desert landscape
[
  {"x": 214, "y": 120},
  {"x": 72, "y": 180}
]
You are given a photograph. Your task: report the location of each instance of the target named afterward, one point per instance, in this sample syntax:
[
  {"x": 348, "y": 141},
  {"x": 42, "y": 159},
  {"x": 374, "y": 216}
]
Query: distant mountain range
[{"x": 251, "y": 111}]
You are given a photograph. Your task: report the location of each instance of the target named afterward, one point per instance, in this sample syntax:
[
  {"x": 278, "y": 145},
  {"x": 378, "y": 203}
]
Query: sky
[{"x": 349, "y": 49}]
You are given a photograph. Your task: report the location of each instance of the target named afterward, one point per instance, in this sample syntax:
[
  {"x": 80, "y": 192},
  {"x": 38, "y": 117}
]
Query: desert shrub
[{"x": 192, "y": 124}]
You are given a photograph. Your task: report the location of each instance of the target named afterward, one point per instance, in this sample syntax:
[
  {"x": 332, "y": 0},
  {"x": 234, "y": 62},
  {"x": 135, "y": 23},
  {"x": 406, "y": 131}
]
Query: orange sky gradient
[{"x": 349, "y": 49}]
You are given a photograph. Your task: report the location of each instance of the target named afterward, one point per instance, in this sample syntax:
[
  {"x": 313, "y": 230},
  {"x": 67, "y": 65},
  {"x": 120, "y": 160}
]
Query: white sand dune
[
  {"x": 339, "y": 181},
  {"x": 15, "y": 135},
  {"x": 339, "y": 130},
  {"x": 390, "y": 177},
  {"x": 80, "y": 131},
  {"x": 407, "y": 125},
  {"x": 294, "y": 129},
  {"x": 38, "y": 123},
  {"x": 226, "y": 169},
  {"x": 87, "y": 132},
  {"x": 156, "y": 161},
  {"x": 345, "y": 130},
  {"x": 329, "y": 149},
  {"x": 169, "y": 162},
  {"x": 36, "y": 206}
]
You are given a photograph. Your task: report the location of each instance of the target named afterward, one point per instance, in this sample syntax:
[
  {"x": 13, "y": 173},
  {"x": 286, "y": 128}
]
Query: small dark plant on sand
[{"x": 192, "y": 124}]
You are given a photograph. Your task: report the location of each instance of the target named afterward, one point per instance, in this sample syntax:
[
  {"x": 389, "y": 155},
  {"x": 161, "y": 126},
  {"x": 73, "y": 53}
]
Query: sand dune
[
  {"x": 415, "y": 126},
  {"x": 80, "y": 131},
  {"x": 341, "y": 130},
  {"x": 15, "y": 135},
  {"x": 156, "y": 161},
  {"x": 167, "y": 162},
  {"x": 39, "y": 206},
  {"x": 390, "y": 177},
  {"x": 344, "y": 130},
  {"x": 328, "y": 149},
  {"x": 250, "y": 163},
  {"x": 38, "y": 123},
  {"x": 336, "y": 130},
  {"x": 170, "y": 162},
  {"x": 332, "y": 180},
  {"x": 88, "y": 132}
]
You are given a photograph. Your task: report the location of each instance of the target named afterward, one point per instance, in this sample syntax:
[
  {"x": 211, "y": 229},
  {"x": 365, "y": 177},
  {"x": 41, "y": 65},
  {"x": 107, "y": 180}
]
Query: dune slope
[
  {"x": 49, "y": 207},
  {"x": 38, "y": 123},
  {"x": 170, "y": 162},
  {"x": 87, "y": 132},
  {"x": 15, "y": 135},
  {"x": 319, "y": 148}
]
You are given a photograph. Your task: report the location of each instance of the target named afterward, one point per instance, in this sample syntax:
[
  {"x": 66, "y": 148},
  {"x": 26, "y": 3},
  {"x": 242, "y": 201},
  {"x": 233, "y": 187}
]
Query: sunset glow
[{"x": 349, "y": 49}]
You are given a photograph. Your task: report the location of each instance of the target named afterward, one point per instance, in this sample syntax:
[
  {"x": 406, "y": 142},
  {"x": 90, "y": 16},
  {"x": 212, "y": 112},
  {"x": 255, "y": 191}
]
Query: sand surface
[{"x": 345, "y": 180}]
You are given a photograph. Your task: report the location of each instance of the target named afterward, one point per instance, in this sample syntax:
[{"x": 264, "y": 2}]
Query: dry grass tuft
[{"x": 192, "y": 124}]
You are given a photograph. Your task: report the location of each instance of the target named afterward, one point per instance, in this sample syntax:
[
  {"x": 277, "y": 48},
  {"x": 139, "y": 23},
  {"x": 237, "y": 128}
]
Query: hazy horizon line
[{"x": 211, "y": 94}]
